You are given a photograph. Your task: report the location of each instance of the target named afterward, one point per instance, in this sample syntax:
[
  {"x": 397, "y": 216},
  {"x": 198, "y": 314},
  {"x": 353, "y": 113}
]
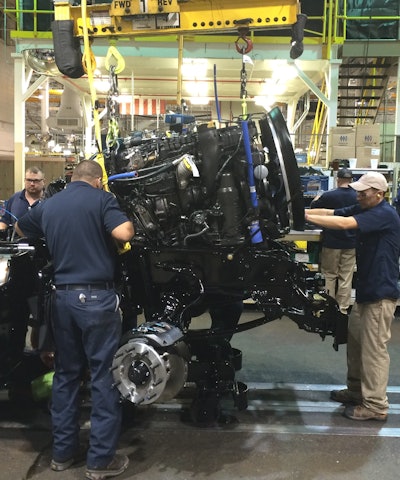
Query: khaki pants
[
  {"x": 337, "y": 266},
  {"x": 367, "y": 356}
]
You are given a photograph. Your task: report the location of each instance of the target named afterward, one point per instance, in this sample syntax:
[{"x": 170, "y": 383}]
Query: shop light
[
  {"x": 197, "y": 89},
  {"x": 266, "y": 102},
  {"x": 199, "y": 100},
  {"x": 194, "y": 68}
]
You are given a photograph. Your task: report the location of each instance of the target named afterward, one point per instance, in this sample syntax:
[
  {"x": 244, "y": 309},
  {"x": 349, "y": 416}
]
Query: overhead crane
[
  {"x": 155, "y": 17},
  {"x": 138, "y": 18}
]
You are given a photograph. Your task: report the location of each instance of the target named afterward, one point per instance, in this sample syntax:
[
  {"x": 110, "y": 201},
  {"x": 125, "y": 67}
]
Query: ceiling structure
[
  {"x": 211, "y": 68},
  {"x": 157, "y": 77},
  {"x": 209, "y": 71}
]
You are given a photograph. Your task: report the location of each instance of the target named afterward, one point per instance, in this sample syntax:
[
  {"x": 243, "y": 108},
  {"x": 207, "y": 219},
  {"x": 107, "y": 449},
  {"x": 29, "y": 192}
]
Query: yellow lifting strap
[
  {"x": 89, "y": 65},
  {"x": 114, "y": 58},
  {"x": 244, "y": 108}
]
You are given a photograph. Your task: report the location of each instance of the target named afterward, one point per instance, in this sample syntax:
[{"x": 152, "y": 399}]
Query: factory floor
[{"x": 290, "y": 430}]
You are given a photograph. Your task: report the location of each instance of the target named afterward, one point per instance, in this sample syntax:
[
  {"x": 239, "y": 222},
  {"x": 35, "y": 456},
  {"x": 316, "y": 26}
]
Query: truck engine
[{"x": 209, "y": 209}]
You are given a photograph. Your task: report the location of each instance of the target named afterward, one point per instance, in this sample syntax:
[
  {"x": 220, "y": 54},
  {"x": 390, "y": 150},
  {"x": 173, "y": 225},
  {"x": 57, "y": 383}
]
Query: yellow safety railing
[
  {"x": 374, "y": 84},
  {"x": 32, "y": 22}
]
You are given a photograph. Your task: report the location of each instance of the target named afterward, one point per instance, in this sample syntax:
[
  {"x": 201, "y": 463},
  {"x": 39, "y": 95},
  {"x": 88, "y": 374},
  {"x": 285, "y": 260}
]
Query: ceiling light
[
  {"x": 101, "y": 85},
  {"x": 195, "y": 68},
  {"x": 199, "y": 100},
  {"x": 197, "y": 89},
  {"x": 284, "y": 72},
  {"x": 266, "y": 102}
]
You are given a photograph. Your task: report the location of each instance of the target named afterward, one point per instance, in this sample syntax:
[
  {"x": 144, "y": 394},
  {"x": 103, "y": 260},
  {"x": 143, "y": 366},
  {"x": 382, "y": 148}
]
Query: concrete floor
[{"x": 291, "y": 430}]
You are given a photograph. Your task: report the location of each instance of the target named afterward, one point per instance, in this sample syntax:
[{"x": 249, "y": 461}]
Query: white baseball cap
[{"x": 370, "y": 180}]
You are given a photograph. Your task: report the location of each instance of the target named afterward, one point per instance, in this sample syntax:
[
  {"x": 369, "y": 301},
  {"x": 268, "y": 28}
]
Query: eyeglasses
[
  {"x": 34, "y": 180},
  {"x": 366, "y": 193}
]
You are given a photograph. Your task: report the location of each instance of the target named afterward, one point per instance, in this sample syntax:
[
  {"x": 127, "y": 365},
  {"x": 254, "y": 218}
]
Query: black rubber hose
[{"x": 67, "y": 49}]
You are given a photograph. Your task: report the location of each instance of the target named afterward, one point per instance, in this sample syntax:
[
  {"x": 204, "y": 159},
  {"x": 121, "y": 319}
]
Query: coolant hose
[
  {"x": 255, "y": 232},
  {"x": 123, "y": 175}
]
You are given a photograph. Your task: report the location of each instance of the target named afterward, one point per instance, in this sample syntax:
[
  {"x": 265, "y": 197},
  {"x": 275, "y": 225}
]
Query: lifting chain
[
  {"x": 243, "y": 88},
  {"x": 243, "y": 46},
  {"x": 243, "y": 81},
  {"x": 112, "y": 108},
  {"x": 115, "y": 64}
]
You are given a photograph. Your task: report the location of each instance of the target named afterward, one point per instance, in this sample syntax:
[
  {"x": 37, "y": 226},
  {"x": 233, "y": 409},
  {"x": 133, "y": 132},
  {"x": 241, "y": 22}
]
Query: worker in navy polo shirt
[
  {"x": 81, "y": 225},
  {"x": 19, "y": 203},
  {"x": 377, "y": 291},
  {"x": 338, "y": 252}
]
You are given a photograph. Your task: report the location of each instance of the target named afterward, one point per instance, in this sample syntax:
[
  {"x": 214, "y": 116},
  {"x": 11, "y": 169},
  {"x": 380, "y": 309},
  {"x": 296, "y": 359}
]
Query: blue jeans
[{"x": 87, "y": 331}]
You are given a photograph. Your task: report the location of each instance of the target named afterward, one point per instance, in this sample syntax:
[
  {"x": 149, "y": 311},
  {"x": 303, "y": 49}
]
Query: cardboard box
[
  {"x": 368, "y": 135},
  {"x": 341, "y": 153},
  {"x": 342, "y": 137},
  {"x": 365, "y": 155}
]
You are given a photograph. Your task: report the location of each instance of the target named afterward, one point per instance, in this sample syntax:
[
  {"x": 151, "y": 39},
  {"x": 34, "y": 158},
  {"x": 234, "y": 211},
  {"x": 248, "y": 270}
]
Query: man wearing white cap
[
  {"x": 338, "y": 252},
  {"x": 377, "y": 255}
]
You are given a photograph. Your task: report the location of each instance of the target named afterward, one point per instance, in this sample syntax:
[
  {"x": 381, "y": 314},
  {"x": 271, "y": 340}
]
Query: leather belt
[{"x": 86, "y": 286}]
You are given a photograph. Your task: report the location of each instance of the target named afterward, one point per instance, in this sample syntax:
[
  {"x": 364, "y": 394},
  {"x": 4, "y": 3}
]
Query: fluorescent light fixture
[
  {"x": 265, "y": 101},
  {"x": 197, "y": 89},
  {"x": 199, "y": 100},
  {"x": 284, "y": 72},
  {"x": 101, "y": 85},
  {"x": 194, "y": 68},
  {"x": 124, "y": 98}
]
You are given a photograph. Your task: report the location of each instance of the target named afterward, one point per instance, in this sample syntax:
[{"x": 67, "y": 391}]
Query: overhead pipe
[{"x": 67, "y": 50}]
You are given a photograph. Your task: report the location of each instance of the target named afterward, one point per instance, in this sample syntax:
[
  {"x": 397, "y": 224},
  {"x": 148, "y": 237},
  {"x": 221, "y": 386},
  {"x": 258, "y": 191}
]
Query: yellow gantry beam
[{"x": 161, "y": 17}]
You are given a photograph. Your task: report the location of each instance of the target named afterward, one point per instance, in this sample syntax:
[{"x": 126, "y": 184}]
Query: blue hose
[
  {"x": 255, "y": 232},
  {"x": 123, "y": 175},
  {"x": 3, "y": 211}
]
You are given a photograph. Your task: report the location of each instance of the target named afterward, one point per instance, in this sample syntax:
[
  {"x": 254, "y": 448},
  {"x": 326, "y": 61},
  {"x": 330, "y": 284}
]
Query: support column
[
  {"x": 396, "y": 153},
  {"x": 44, "y": 113},
  {"x": 333, "y": 93},
  {"x": 19, "y": 122}
]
